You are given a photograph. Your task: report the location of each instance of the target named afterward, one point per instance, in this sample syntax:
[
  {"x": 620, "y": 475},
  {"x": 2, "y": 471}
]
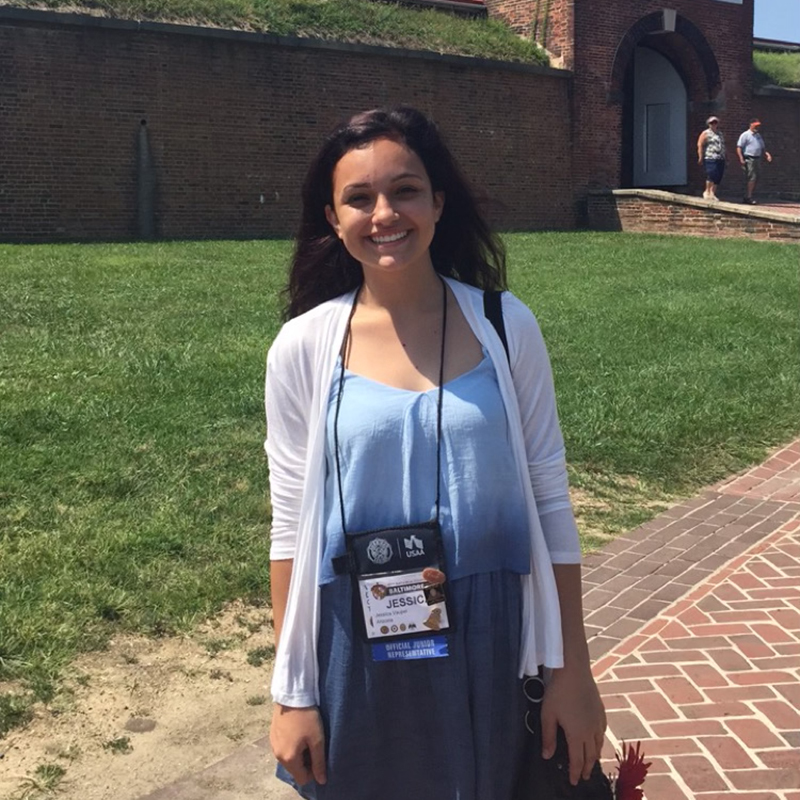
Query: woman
[
  {"x": 711, "y": 156},
  {"x": 390, "y": 402}
]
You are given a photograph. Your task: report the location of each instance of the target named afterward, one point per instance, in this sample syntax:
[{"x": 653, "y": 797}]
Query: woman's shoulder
[
  {"x": 517, "y": 313},
  {"x": 301, "y": 335},
  {"x": 307, "y": 324},
  {"x": 511, "y": 302}
]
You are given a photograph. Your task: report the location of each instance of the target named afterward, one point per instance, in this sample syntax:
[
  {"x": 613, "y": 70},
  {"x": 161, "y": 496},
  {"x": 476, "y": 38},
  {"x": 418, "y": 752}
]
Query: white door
[{"x": 659, "y": 121}]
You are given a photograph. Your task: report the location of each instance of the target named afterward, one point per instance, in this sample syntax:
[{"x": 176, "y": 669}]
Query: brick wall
[
  {"x": 548, "y": 22},
  {"x": 711, "y": 49},
  {"x": 726, "y": 27},
  {"x": 779, "y": 112},
  {"x": 556, "y": 31},
  {"x": 232, "y": 120},
  {"x": 643, "y": 211},
  {"x": 521, "y": 15}
]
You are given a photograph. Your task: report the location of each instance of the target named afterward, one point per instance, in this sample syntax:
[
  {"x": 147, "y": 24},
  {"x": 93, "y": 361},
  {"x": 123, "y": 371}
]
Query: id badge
[
  {"x": 400, "y": 603},
  {"x": 392, "y": 601}
]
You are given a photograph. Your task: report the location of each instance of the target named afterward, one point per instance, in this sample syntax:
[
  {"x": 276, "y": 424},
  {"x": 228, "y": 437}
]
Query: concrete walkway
[
  {"x": 694, "y": 626},
  {"x": 766, "y": 203}
]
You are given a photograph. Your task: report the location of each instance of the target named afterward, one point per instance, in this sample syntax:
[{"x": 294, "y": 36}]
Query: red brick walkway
[{"x": 708, "y": 677}]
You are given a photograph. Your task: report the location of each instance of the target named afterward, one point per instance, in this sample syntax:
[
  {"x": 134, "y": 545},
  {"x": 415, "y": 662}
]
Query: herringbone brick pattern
[{"x": 710, "y": 683}]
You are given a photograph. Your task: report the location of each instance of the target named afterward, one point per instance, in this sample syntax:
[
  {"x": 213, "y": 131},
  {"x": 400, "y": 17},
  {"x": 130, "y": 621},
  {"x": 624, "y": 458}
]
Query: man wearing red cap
[{"x": 750, "y": 148}]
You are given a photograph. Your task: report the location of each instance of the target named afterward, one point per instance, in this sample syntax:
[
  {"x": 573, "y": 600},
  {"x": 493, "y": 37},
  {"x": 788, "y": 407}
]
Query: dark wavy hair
[{"x": 463, "y": 247}]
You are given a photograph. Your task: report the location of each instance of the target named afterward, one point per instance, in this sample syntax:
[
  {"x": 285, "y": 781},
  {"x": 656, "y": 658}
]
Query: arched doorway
[
  {"x": 659, "y": 121},
  {"x": 666, "y": 79}
]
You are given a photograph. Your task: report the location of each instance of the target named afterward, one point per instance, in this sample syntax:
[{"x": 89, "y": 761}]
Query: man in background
[{"x": 750, "y": 148}]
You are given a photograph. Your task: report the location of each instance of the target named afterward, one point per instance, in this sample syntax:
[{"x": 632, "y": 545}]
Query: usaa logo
[{"x": 414, "y": 546}]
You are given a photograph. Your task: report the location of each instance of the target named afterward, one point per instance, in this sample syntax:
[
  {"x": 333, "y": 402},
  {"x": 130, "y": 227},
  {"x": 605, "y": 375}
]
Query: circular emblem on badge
[{"x": 379, "y": 551}]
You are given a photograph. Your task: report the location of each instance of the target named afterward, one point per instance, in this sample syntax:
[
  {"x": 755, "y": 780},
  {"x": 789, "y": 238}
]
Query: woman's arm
[
  {"x": 544, "y": 444},
  {"x": 572, "y": 699},
  {"x": 296, "y": 734},
  {"x": 701, "y": 140},
  {"x": 280, "y": 574}
]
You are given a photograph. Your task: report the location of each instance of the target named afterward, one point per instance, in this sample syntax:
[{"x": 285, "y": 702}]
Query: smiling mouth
[{"x": 395, "y": 237}]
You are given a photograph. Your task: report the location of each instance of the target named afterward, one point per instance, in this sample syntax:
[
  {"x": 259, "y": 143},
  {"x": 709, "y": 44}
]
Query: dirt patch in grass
[
  {"x": 145, "y": 712},
  {"x": 607, "y": 505}
]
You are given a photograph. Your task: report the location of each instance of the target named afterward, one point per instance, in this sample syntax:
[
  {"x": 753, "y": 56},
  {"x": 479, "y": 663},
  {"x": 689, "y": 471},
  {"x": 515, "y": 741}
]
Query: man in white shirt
[{"x": 750, "y": 148}]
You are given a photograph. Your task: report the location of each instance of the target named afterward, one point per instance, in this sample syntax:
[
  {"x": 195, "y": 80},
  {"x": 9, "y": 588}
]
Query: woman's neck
[{"x": 402, "y": 292}]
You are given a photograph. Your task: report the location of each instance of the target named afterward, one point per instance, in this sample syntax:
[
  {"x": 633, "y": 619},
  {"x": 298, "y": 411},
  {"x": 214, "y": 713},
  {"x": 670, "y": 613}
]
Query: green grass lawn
[
  {"x": 778, "y": 69},
  {"x": 676, "y": 361},
  {"x": 132, "y": 477},
  {"x": 361, "y": 21}
]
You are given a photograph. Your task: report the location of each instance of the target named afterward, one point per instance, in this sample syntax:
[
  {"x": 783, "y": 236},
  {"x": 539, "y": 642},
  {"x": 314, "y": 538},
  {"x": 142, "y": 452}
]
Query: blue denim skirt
[{"x": 430, "y": 729}]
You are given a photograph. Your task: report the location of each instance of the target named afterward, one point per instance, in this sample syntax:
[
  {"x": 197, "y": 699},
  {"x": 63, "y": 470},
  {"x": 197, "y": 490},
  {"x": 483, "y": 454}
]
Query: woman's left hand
[{"x": 573, "y": 701}]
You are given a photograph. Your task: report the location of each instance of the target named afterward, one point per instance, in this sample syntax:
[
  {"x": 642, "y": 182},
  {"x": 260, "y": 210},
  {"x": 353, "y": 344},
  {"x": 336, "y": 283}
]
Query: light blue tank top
[{"x": 387, "y": 451}]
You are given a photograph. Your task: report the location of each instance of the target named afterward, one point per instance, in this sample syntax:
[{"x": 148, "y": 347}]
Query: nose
[{"x": 383, "y": 212}]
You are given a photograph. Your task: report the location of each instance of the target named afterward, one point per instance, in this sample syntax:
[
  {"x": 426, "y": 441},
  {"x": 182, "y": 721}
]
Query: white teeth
[{"x": 386, "y": 239}]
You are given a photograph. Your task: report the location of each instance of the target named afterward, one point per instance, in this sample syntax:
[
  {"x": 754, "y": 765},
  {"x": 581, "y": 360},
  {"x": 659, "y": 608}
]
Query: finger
[
  {"x": 576, "y": 759},
  {"x": 317, "y": 751},
  {"x": 549, "y": 732},
  {"x": 599, "y": 741},
  {"x": 298, "y": 768},
  {"x": 433, "y": 576},
  {"x": 589, "y": 759}
]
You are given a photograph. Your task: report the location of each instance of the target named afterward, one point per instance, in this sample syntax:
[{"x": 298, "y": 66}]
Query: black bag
[{"x": 548, "y": 779}]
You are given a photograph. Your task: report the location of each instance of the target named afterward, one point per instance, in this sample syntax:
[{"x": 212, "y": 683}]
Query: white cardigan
[{"x": 300, "y": 367}]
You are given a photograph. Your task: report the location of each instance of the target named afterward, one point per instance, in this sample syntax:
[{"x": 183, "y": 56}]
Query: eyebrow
[{"x": 366, "y": 185}]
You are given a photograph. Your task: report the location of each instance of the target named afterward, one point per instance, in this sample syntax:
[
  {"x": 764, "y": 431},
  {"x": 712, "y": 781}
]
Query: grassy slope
[
  {"x": 343, "y": 20},
  {"x": 778, "y": 69},
  {"x": 367, "y": 22},
  {"x": 133, "y": 485}
]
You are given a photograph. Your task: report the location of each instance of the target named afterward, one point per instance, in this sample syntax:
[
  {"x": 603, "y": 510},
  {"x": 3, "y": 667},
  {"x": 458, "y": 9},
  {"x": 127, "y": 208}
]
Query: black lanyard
[{"x": 438, "y": 406}]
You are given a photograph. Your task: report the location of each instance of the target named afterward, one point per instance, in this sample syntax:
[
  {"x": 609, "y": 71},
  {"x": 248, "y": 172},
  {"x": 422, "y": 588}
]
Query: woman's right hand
[{"x": 298, "y": 742}]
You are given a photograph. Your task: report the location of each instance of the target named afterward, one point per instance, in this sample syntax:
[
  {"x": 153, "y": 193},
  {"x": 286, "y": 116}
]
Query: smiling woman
[
  {"x": 384, "y": 209},
  {"x": 415, "y": 579},
  {"x": 463, "y": 247}
]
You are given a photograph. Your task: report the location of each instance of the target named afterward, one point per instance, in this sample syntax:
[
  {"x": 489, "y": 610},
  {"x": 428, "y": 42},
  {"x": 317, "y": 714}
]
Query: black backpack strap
[{"x": 493, "y": 309}]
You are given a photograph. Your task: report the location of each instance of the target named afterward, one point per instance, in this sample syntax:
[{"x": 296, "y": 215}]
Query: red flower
[{"x": 632, "y": 771}]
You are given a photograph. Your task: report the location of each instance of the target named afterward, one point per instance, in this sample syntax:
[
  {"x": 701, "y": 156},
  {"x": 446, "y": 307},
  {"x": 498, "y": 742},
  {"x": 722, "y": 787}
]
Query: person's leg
[
  {"x": 751, "y": 172},
  {"x": 719, "y": 172},
  {"x": 708, "y": 167},
  {"x": 746, "y": 173},
  {"x": 713, "y": 175}
]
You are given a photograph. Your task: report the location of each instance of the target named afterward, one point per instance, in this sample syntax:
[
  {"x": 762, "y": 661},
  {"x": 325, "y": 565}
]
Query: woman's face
[{"x": 384, "y": 208}]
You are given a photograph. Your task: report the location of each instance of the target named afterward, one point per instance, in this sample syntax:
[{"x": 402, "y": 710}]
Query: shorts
[
  {"x": 752, "y": 168},
  {"x": 715, "y": 168}
]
